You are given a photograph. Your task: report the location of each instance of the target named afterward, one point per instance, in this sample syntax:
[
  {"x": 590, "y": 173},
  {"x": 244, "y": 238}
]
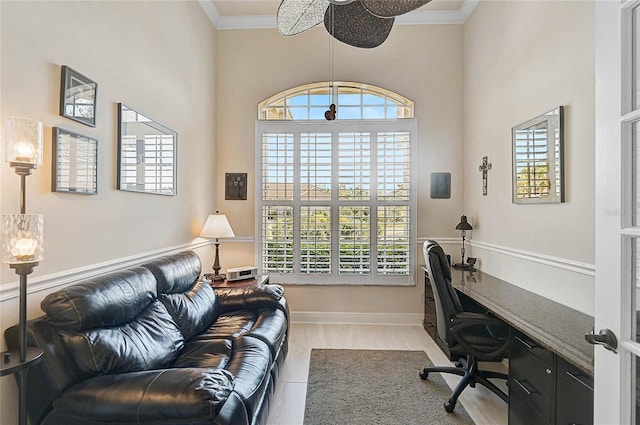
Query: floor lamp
[
  {"x": 217, "y": 226},
  {"x": 22, "y": 243}
]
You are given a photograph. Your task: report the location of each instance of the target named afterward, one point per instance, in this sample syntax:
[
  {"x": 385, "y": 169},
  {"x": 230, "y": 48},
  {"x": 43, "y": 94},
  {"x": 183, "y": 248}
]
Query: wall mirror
[
  {"x": 147, "y": 154},
  {"x": 537, "y": 147},
  {"x": 75, "y": 163},
  {"x": 78, "y": 97}
]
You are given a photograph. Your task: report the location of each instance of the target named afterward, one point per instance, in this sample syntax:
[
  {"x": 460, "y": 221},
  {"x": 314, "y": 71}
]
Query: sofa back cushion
[
  {"x": 115, "y": 323},
  {"x": 176, "y": 273},
  {"x": 193, "y": 310},
  {"x": 191, "y": 303},
  {"x": 109, "y": 300},
  {"x": 151, "y": 341}
]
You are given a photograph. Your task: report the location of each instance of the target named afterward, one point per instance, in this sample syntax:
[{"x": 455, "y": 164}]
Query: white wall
[
  {"x": 423, "y": 63},
  {"x": 522, "y": 59},
  {"x": 156, "y": 57}
]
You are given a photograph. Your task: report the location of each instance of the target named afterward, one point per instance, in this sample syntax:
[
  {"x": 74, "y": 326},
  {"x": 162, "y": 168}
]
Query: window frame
[{"x": 335, "y": 128}]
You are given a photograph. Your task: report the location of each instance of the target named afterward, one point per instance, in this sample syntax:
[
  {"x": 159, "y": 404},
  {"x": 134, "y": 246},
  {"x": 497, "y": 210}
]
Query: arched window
[
  {"x": 354, "y": 101},
  {"x": 336, "y": 200}
]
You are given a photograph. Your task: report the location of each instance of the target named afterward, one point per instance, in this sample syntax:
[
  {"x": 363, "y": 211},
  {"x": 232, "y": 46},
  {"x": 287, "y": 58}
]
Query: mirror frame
[
  {"x": 133, "y": 164},
  {"x": 531, "y": 147},
  {"x": 76, "y": 86}
]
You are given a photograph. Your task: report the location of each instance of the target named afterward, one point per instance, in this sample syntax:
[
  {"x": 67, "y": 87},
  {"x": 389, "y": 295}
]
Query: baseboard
[
  {"x": 52, "y": 281},
  {"x": 404, "y": 319}
]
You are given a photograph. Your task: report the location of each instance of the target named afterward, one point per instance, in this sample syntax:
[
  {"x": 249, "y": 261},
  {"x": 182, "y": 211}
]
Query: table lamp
[
  {"x": 217, "y": 226},
  {"x": 463, "y": 226}
]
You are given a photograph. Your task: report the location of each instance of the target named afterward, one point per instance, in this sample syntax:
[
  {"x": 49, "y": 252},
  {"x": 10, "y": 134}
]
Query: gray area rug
[{"x": 376, "y": 387}]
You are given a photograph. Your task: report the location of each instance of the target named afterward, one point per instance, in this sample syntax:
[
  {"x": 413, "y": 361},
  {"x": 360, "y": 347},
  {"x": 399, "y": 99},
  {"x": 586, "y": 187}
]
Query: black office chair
[{"x": 467, "y": 337}]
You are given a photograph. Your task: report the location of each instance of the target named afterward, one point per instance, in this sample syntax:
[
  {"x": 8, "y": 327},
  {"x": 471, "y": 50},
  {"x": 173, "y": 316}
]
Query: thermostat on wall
[{"x": 244, "y": 272}]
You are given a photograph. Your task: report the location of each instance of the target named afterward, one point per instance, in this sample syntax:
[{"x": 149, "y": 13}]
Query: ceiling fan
[{"x": 359, "y": 23}]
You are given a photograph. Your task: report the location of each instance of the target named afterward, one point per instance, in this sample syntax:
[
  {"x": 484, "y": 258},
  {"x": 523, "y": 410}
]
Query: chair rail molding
[
  {"x": 548, "y": 260},
  {"x": 9, "y": 291}
]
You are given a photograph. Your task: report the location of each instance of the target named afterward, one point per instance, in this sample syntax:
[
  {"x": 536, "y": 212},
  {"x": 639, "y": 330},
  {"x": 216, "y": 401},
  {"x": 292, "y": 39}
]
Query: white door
[{"x": 617, "y": 208}]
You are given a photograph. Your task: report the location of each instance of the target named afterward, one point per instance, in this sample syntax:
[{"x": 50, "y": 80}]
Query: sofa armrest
[
  {"x": 151, "y": 396},
  {"x": 249, "y": 298}
]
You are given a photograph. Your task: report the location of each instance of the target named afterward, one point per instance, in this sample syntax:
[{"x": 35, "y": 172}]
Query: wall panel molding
[
  {"x": 548, "y": 260},
  {"x": 51, "y": 281}
]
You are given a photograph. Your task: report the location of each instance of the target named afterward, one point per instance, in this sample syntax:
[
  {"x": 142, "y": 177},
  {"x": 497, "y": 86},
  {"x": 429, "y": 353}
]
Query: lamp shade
[
  {"x": 464, "y": 224},
  {"x": 23, "y": 140},
  {"x": 22, "y": 238},
  {"x": 217, "y": 226}
]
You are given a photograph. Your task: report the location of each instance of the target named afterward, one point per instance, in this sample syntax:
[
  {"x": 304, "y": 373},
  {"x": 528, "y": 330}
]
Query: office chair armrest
[{"x": 465, "y": 320}]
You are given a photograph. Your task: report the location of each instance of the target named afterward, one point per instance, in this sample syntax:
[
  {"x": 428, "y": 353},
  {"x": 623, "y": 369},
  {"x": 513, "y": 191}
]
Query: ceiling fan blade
[
  {"x": 296, "y": 16},
  {"x": 389, "y": 9},
  {"x": 354, "y": 25}
]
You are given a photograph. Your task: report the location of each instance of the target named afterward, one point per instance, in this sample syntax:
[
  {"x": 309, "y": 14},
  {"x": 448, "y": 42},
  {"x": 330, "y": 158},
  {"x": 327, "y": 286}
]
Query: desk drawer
[
  {"x": 531, "y": 383},
  {"x": 531, "y": 379},
  {"x": 429, "y": 323},
  {"x": 574, "y": 390},
  {"x": 521, "y": 345}
]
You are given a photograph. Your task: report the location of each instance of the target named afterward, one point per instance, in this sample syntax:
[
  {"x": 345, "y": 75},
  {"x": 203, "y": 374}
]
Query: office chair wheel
[
  {"x": 424, "y": 375},
  {"x": 448, "y": 406}
]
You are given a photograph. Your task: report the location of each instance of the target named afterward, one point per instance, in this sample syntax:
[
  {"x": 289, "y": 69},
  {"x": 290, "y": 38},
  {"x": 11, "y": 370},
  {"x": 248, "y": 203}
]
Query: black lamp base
[{"x": 461, "y": 266}]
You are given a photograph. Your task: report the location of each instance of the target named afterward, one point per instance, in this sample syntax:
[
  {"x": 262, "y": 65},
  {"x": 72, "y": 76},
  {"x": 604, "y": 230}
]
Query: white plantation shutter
[{"x": 337, "y": 202}]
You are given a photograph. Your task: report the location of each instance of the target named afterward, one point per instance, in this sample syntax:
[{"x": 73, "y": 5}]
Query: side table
[{"x": 245, "y": 283}]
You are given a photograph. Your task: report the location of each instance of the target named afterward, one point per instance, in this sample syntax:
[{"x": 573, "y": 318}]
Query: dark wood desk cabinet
[
  {"x": 544, "y": 387},
  {"x": 430, "y": 320}
]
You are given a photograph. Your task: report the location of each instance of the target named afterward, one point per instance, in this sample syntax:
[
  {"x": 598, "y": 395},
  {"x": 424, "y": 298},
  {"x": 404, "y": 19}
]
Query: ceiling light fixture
[{"x": 359, "y": 23}]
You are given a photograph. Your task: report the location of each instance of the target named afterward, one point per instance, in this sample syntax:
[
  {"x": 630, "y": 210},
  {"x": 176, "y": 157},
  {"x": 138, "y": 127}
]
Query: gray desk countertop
[{"x": 555, "y": 326}]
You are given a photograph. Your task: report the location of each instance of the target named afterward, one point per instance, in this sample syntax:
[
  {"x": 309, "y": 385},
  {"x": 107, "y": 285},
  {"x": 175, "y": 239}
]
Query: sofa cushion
[
  {"x": 167, "y": 396},
  {"x": 231, "y": 325},
  {"x": 176, "y": 273},
  {"x": 250, "y": 365},
  {"x": 151, "y": 341},
  {"x": 193, "y": 310},
  {"x": 214, "y": 353},
  {"x": 109, "y": 300},
  {"x": 249, "y": 298}
]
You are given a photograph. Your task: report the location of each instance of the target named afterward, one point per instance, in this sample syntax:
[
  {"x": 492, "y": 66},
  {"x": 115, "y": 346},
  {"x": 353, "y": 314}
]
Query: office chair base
[{"x": 471, "y": 376}]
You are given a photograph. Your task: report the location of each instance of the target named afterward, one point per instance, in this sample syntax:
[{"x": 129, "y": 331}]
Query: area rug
[{"x": 376, "y": 387}]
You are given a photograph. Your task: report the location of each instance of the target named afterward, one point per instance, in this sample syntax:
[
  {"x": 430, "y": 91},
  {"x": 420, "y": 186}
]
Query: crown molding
[{"x": 417, "y": 17}]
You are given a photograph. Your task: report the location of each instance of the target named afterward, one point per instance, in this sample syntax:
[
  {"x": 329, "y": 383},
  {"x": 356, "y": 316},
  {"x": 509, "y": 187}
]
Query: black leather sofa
[{"x": 155, "y": 344}]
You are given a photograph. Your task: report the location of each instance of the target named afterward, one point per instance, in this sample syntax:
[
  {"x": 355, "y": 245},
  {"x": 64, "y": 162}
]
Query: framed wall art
[
  {"x": 440, "y": 185},
  {"x": 235, "y": 186},
  {"x": 75, "y": 163},
  {"x": 78, "y": 95}
]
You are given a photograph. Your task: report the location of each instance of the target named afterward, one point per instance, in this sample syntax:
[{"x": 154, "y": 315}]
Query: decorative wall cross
[{"x": 484, "y": 168}]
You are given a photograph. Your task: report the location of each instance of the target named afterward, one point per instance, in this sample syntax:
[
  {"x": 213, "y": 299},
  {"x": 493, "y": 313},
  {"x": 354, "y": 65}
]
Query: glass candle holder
[{"x": 22, "y": 238}]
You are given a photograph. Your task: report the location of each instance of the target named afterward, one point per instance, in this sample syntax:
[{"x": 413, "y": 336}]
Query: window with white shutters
[{"x": 337, "y": 199}]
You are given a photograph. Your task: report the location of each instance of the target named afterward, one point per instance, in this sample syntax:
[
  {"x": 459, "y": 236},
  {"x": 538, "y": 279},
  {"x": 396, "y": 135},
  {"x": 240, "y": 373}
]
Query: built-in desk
[
  {"x": 550, "y": 363},
  {"x": 555, "y": 326}
]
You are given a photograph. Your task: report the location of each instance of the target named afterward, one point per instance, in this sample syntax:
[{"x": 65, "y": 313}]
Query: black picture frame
[
  {"x": 440, "y": 185},
  {"x": 235, "y": 186},
  {"x": 75, "y": 163},
  {"x": 78, "y": 97}
]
